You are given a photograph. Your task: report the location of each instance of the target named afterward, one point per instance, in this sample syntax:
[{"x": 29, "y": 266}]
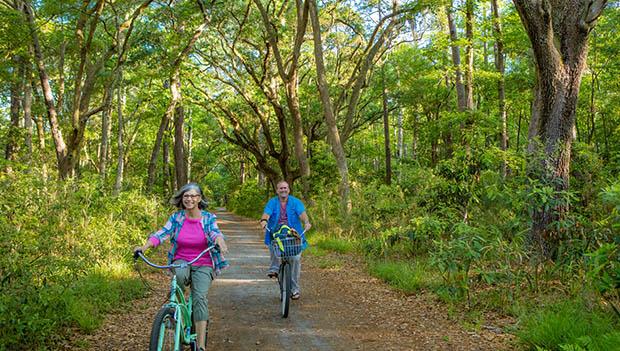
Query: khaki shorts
[{"x": 200, "y": 278}]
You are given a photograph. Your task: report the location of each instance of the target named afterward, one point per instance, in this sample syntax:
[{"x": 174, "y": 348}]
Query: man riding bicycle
[{"x": 284, "y": 209}]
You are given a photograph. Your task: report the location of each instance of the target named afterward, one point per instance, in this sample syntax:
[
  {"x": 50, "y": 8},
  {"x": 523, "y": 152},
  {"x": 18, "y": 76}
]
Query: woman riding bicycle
[{"x": 190, "y": 231}]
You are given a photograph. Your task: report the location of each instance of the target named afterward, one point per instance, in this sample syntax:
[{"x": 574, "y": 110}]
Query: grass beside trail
[{"x": 568, "y": 325}]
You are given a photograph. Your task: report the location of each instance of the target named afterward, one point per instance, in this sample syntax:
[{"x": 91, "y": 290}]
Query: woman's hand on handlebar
[
  {"x": 137, "y": 251},
  {"x": 142, "y": 248}
]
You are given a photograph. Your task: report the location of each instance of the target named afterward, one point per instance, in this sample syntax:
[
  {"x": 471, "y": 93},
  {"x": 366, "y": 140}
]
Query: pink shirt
[
  {"x": 283, "y": 215},
  {"x": 191, "y": 242}
]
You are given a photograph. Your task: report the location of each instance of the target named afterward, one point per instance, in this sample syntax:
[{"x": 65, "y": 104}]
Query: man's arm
[
  {"x": 305, "y": 220},
  {"x": 263, "y": 220}
]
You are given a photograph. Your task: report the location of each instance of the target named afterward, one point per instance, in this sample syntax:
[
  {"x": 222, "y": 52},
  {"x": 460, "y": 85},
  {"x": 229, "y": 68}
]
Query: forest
[{"x": 466, "y": 148}]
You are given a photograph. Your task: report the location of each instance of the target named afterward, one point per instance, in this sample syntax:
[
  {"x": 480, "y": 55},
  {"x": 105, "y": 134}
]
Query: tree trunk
[
  {"x": 61, "y": 77},
  {"x": 83, "y": 90},
  {"x": 399, "y": 135},
  {"x": 469, "y": 54},
  {"x": 592, "y": 110},
  {"x": 518, "y": 144},
  {"x": 61, "y": 148},
  {"x": 27, "y": 106},
  {"x": 85, "y": 79},
  {"x": 290, "y": 80},
  {"x": 39, "y": 123},
  {"x": 118, "y": 182},
  {"x": 361, "y": 78},
  {"x": 298, "y": 137},
  {"x": 175, "y": 92},
  {"x": 330, "y": 119},
  {"x": 106, "y": 129},
  {"x": 17, "y": 88},
  {"x": 414, "y": 141},
  {"x": 501, "y": 93},
  {"x": 159, "y": 141},
  {"x": 469, "y": 75},
  {"x": 606, "y": 135},
  {"x": 241, "y": 172},
  {"x": 559, "y": 70},
  {"x": 169, "y": 183},
  {"x": 386, "y": 131},
  {"x": 180, "y": 166},
  {"x": 461, "y": 96},
  {"x": 190, "y": 145}
]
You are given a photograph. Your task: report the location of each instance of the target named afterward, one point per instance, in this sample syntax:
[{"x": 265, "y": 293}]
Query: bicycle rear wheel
[
  {"x": 163, "y": 330},
  {"x": 285, "y": 288}
]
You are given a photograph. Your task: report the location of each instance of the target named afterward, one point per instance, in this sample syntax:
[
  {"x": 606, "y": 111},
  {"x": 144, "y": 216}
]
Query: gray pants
[
  {"x": 200, "y": 278},
  {"x": 295, "y": 262}
]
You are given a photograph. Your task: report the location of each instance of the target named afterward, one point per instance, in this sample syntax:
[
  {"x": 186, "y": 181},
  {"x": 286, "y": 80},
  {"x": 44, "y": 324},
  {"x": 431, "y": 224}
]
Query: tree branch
[
  {"x": 87, "y": 115},
  {"x": 591, "y": 14}
]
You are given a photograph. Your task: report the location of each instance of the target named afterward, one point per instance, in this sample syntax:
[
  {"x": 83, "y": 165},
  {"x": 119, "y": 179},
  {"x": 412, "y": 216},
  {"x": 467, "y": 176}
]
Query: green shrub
[
  {"x": 409, "y": 240},
  {"x": 315, "y": 251},
  {"x": 610, "y": 197},
  {"x": 372, "y": 247},
  {"x": 339, "y": 245},
  {"x": 249, "y": 200},
  {"x": 409, "y": 277},
  {"x": 456, "y": 258},
  {"x": 329, "y": 263},
  {"x": 557, "y": 326},
  {"x": 69, "y": 260},
  {"x": 377, "y": 207},
  {"x": 603, "y": 272}
]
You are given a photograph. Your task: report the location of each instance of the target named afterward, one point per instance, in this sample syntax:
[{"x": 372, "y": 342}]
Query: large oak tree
[{"x": 558, "y": 31}]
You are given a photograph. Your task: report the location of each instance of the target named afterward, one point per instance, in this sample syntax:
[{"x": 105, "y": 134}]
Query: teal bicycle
[{"x": 172, "y": 327}]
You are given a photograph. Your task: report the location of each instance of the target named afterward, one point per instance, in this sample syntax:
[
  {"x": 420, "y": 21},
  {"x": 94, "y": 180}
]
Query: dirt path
[{"x": 341, "y": 308}]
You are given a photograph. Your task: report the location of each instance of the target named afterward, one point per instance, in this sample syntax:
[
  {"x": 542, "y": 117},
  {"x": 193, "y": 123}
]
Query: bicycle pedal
[{"x": 193, "y": 346}]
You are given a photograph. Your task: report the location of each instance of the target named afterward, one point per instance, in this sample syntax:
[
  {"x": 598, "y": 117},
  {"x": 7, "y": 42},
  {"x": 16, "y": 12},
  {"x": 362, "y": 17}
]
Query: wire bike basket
[{"x": 287, "y": 246}]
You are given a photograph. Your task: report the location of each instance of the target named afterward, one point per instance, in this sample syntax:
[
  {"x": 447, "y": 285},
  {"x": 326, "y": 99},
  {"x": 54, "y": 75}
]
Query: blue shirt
[{"x": 294, "y": 208}]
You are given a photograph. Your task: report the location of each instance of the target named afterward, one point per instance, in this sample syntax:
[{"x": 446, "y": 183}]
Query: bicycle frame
[
  {"x": 182, "y": 307},
  {"x": 285, "y": 248}
]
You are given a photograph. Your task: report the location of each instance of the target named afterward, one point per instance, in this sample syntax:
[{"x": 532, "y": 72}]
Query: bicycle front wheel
[
  {"x": 285, "y": 288},
  {"x": 163, "y": 332}
]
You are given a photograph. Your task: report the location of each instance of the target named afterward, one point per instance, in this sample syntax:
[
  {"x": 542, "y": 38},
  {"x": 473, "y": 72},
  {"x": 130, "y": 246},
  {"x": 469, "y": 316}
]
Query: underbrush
[
  {"x": 548, "y": 313},
  {"x": 67, "y": 256},
  {"x": 484, "y": 265},
  {"x": 461, "y": 230},
  {"x": 409, "y": 277},
  {"x": 248, "y": 200},
  {"x": 569, "y": 325},
  {"x": 324, "y": 242}
]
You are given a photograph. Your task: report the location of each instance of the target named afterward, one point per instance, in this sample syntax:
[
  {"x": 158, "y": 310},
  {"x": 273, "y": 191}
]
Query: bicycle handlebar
[
  {"x": 139, "y": 254},
  {"x": 268, "y": 230}
]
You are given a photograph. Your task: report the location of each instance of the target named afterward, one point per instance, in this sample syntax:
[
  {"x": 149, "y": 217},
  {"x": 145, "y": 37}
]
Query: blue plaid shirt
[{"x": 173, "y": 226}]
